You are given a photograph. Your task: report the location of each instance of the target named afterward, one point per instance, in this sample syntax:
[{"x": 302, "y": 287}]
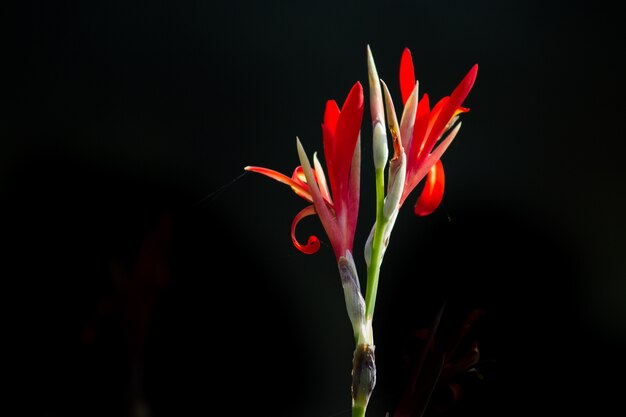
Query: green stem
[
  {"x": 373, "y": 271},
  {"x": 358, "y": 410}
]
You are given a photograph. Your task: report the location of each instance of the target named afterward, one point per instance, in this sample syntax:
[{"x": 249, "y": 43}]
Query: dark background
[{"x": 133, "y": 241}]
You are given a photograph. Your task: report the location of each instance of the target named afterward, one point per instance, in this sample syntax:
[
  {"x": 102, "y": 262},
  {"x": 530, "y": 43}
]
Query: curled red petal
[
  {"x": 432, "y": 194},
  {"x": 313, "y": 243},
  {"x": 298, "y": 187},
  {"x": 298, "y": 175},
  {"x": 407, "y": 75}
]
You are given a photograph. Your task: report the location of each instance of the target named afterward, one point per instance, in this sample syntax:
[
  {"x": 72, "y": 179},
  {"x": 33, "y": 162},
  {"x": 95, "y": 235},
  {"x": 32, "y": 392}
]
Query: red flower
[
  {"x": 419, "y": 140},
  {"x": 337, "y": 205}
]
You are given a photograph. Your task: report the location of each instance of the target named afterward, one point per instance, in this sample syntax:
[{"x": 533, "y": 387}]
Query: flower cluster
[{"x": 419, "y": 139}]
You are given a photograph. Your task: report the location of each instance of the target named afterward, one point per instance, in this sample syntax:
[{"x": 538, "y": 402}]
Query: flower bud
[
  {"x": 363, "y": 374},
  {"x": 381, "y": 150},
  {"x": 355, "y": 303},
  {"x": 397, "y": 175}
]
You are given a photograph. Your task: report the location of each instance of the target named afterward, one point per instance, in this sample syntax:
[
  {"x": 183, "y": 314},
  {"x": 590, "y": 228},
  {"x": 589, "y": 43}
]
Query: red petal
[
  {"x": 434, "y": 114},
  {"x": 331, "y": 114},
  {"x": 313, "y": 243},
  {"x": 346, "y": 137},
  {"x": 329, "y": 152},
  {"x": 407, "y": 75},
  {"x": 432, "y": 194},
  {"x": 349, "y": 125},
  {"x": 453, "y": 104},
  {"x": 420, "y": 130},
  {"x": 428, "y": 141}
]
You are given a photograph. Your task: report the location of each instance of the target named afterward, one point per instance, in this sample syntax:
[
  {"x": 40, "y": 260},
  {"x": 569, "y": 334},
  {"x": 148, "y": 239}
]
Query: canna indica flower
[
  {"x": 335, "y": 201},
  {"x": 421, "y": 128}
]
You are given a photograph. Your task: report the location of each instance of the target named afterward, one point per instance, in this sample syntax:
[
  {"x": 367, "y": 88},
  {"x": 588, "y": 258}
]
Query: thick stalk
[
  {"x": 364, "y": 366},
  {"x": 373, "y": 271},
  {"x": 358, "y": 410}
]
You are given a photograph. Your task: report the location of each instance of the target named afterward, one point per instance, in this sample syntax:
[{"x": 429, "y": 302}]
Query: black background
[{"x": 129, "y": 227}]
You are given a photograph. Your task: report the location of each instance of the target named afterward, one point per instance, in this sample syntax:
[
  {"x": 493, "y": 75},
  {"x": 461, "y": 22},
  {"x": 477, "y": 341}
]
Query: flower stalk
[{"x": 364, "y": 367}]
